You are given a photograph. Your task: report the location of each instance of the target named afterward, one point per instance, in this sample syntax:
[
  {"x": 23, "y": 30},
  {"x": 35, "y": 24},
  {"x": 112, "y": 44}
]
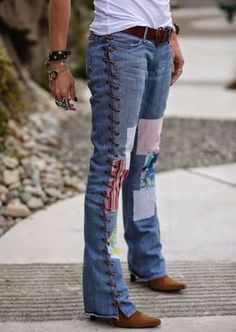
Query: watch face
[{"x": 52, "y": 75}]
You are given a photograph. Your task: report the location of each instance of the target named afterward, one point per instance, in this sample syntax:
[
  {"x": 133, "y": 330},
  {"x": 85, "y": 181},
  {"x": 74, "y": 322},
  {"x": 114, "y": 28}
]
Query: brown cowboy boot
[
  {"x": 136, "y": 320},
  {"x": 166, "y": 284}
]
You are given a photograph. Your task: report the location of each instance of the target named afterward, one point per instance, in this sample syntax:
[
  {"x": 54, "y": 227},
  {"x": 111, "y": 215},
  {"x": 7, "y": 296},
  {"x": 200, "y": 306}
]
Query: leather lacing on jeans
[{"x": 113, "y": 99}]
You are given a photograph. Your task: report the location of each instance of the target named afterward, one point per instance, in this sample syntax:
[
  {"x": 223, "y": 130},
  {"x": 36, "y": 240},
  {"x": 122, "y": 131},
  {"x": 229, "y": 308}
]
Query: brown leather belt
[{"x": 159, "y": 35}]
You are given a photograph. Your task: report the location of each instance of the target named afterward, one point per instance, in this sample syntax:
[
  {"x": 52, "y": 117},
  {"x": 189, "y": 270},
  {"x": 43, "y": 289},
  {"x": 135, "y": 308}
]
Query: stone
[
  {"x": 3, "y": 189},
  {"x": 26, "y": 182},
  {"x": 3, "y": 198},
  {"x": 10, "y": 176},
  {"x": 36, "y": 191},
  {"x": 25, "y": 197},
  {"x": 34, "y": 162},
  {"x": 52, "y": 179},
  {"x": 16, "y": 131},
  {"x": 15, "y": 185},
  {"x": 10, "y": 162},
  {"x": 12, "y": 194},
  {"x": 29, "y": 145},
  {"x": 53, "y": 192},
  {"x": 3, "y": 221},
  {"x": 16, "y": 209},
  {"x": 35, "y": 203},
  {"x": 71, "y": 182},
  {"x": 82, "y": 187}
]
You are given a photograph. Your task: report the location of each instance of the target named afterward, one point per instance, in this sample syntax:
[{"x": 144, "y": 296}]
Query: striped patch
[{"x": 118, "y": 173}]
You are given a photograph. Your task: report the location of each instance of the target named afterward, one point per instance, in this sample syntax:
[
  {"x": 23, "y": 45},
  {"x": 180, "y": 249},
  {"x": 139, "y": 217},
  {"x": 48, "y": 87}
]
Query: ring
[{"x": 64, "y": 103}]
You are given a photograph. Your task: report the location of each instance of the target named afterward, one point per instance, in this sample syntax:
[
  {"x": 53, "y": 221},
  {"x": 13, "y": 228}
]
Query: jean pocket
[
  {"x": 125, "y": 40},
  {"x": 91, "y": 47}
]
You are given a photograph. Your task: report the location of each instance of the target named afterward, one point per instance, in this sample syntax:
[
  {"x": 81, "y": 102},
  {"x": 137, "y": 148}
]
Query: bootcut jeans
[{"x": 129, "y": 79}]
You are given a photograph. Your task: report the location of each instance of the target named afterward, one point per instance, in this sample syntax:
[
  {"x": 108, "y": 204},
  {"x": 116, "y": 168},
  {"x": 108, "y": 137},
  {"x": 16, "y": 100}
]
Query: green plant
[{"x": 11, "y": 95}]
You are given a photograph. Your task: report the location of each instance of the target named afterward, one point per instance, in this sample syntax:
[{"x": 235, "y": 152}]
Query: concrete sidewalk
[
  {"x": 197, "y": 209},
  {"x": 192, "y": 204},
  {"x": 203, "y": 324},
  {"x": 210, "y": 65}
]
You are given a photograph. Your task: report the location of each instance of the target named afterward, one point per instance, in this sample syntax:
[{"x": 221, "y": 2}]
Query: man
[{"x": 133, "y": 57}]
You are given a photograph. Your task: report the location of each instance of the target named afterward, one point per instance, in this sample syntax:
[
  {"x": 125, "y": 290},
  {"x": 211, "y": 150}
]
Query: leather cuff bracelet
[{"x": 58, "y": 55}]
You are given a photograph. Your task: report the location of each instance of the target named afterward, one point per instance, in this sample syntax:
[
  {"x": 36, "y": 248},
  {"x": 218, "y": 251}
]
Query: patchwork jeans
[{"x": 129, "y": 78}]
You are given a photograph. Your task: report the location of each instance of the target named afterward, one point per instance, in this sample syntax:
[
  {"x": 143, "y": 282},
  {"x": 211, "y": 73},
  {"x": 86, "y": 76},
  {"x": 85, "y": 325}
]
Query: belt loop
[{"x": 145, "y": 33}]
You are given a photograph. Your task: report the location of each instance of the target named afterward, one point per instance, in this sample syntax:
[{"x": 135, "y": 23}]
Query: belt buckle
[
  {"x": 169, "y": 33},
  {"x": 157, "y": 30}
]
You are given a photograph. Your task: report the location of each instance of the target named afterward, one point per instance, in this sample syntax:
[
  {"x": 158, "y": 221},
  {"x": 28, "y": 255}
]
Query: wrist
[
  {"x": 57, "y": 64},
  {"x": 53, "y": 73}
]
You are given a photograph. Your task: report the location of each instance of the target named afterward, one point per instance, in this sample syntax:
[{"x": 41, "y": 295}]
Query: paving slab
[
  {"x": 210, "y": 65},
  {"x": 197, "y": 218},
  {"x": 225, "y": 173},
  {"x": 202, "y": 324}
]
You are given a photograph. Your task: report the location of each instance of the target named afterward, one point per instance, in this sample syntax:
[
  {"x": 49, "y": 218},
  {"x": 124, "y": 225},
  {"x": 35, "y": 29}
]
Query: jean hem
[
  {"x": 158, "y": 275},
  {"x": 130, "y": 313},
  {"x": 101, "y": 316}
]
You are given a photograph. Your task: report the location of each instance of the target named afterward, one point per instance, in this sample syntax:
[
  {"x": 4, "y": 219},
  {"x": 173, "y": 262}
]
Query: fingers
[
  {"x": 72, "y": 92},
  {"x": 178, "y": 70},
  {"x": 55, "y": 91},
  {"x": 63, "y": 87},
  {"x": 175, "y": 76}
]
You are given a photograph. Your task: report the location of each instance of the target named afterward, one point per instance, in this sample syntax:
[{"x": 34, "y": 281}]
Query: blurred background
[{"x": 45, "y": 153}]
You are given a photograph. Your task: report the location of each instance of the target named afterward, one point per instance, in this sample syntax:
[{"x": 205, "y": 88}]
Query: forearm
[{"x": 59, "y": 20}]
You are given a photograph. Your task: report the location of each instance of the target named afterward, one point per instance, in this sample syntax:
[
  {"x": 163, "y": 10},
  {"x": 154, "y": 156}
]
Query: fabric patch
[
  {"x": 118, "y": 174},
  {"x": 149, "y": 134},
  {"x": 112, "y": 247},
  {"x": 144, "y": 203},
  {"x": 129, "y": 144},
  {"x": 148, "y": 171}
]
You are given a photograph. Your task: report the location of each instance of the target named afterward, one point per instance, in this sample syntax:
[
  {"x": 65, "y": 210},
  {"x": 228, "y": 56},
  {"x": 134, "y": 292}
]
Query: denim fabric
[{"x": 129, "y": 78}]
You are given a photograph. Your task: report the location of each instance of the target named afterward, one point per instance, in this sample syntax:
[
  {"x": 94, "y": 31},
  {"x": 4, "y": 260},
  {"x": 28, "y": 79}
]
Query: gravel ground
[{"x": 185, "y": 142}]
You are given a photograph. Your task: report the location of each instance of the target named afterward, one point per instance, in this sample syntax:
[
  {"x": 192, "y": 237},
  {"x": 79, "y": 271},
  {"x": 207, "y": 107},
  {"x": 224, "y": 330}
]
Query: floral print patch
[
  {"x": 148, "y": 171},
  {"x": 112, "y": 247}
]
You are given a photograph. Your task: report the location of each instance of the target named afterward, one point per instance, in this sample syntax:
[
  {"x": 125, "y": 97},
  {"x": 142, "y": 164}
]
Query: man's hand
[
  {"x": 178, "y": 60},
  {"x": 63, "y": 86}
]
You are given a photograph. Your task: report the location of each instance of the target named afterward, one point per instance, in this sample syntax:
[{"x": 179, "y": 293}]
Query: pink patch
[
  {"x": 149, "y": 135},
  {"x": 119, "y": 173}
]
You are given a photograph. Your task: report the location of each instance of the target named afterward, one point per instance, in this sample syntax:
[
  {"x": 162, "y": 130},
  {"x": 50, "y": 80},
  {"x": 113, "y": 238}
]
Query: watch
[{"x": 52, "y": 74}]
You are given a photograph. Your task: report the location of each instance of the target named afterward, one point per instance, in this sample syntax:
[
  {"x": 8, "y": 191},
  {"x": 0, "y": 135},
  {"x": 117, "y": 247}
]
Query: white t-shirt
[{"x": 116, "y": 15}]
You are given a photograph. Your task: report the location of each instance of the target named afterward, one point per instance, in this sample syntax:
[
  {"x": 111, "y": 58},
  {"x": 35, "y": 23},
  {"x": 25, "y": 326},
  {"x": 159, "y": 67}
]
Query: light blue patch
[{"x": 148, "y": 171}]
